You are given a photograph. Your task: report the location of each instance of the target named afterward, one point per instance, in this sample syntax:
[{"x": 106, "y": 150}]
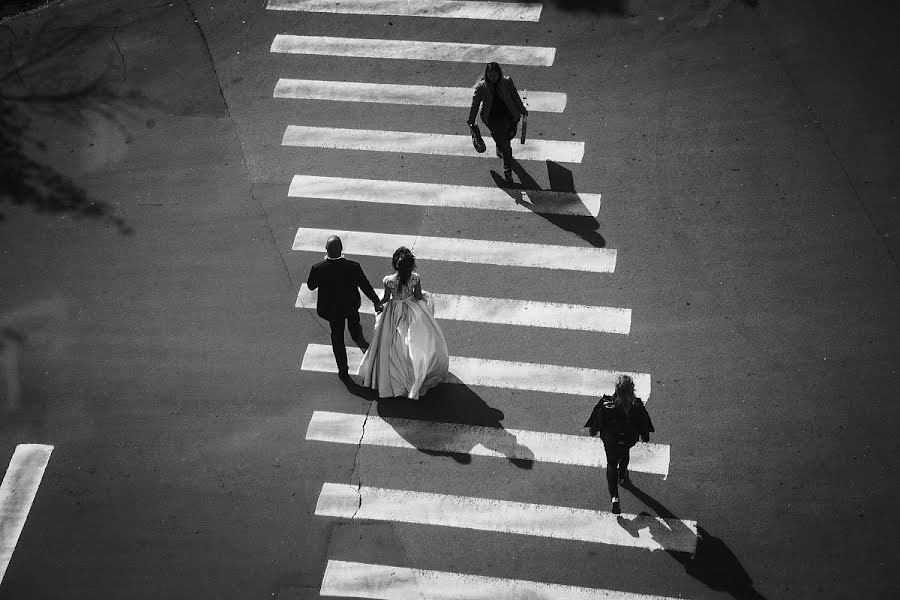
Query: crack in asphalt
[
  {"x": 356, "y": 463},
  {"x": 10, "y": 51},
  {"x": 121, "y": 55},
  {"x": 244, "y": 158}
]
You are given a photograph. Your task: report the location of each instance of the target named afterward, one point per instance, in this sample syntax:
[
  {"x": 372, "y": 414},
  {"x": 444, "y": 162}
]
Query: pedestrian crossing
[
  {"x": 370, "y": 433},
  {"x": 413, "y": 142},
  {"x": 17, "y": 493},
  {"x": 346, "y": 579},
  {"x": 551, "y": 379},
  {"x": 533, "y": 56},
  {"x": 377, "y": 191},
  {"x": 527, "y": 313},
  {"x": 348, "y": 501},
  {"x": 387, "y": 93},
  {"x": 447, "y": 9},
  {"x": 485, "y": 252},
  {"x": 494, "y": 442}
]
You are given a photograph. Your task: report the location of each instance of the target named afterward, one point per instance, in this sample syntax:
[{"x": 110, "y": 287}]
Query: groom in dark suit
[{"x": 339, "y": 281}]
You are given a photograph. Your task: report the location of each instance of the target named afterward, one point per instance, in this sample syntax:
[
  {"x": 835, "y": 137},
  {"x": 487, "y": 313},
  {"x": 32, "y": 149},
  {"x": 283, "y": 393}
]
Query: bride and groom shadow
[
  {"x": 561, "y": 180},
  {"x": 473, "y": 423}
]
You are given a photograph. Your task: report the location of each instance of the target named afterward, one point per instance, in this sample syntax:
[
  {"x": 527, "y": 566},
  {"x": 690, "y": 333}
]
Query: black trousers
[
  {"x": 503, "y": 131},
  {"x": 337, "y": 337},
  {"x": 617, "y": 457}
]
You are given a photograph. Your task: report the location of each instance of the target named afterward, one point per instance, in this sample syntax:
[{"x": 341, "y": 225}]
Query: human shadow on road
[
  {"x": 561, "y": 180},
  {"x": 424, "y": 424},
  {"x": 712, "y": 563}
]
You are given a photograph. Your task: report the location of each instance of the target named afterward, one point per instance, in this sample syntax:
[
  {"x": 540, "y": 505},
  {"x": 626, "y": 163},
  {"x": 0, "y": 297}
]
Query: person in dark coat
[
  {"x": 339, "y": 281},
  {"x": 620, "y": 419},
  {"x": 501, "y": 109}
]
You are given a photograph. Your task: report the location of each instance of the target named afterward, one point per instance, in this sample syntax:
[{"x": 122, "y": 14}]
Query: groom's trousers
[{"x": 337, "y": 337}]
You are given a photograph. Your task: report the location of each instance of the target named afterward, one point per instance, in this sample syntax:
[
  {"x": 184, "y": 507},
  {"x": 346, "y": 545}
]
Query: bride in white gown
[{"x": 408, "y": 354}]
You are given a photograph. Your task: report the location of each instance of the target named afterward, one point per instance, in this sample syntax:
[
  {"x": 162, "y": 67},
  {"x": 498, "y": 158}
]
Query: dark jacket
[
  {"x": 340, "y": 281},
  {"x": 610, "y": 419},
  {"x": 484, "y": 94}
]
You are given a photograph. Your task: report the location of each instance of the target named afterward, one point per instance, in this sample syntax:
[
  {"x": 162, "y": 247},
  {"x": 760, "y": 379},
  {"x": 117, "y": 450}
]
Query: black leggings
[
  {"x": 617, "y": 457},
  {"x": 503, "y": 131}
]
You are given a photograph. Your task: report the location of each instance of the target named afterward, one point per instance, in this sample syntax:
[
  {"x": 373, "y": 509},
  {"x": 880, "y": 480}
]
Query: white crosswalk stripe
[
  {"x": 411, "y": 142},
  {"x": 485, "y": 252},
  {"x": 448, "y": 9},
  {"x": 17, "y": 492},
  {"x": 535, "y": 377},
  {"x": 387, "y": 93},
  {"x": 510, "y": 312},
  {"x": 440, "y": 195},
  {"x": 413, "y": 50},
  {"x": 346, "y": 579},
  {"x": 497, "y": 442},
  {"x": 348, "y": 501}
]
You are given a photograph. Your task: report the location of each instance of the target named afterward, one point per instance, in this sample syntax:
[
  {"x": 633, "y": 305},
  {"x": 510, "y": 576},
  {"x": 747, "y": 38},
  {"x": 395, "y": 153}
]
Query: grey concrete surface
[{"x": 747, "y": 157}]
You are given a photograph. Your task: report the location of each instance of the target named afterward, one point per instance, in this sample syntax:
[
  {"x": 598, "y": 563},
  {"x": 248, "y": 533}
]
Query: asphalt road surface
[{"x": 707, "y": 199}]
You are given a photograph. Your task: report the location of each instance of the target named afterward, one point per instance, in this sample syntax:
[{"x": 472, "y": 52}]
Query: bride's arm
[
  {"x": 387, "y": 294},
  {"x": 417, "y": 291}
]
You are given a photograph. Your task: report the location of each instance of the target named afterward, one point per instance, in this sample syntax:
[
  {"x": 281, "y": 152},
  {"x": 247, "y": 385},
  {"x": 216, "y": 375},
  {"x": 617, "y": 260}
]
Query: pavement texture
[{"x": 747, "y": 156}]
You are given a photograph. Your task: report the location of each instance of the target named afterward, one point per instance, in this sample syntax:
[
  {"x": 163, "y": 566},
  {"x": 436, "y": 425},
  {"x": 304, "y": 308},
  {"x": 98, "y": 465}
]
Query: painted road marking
[
  {"x": 502, "y": 374},
  {"x": 17, "y": 492},
  {"x": 448, "y": 9},
  {"x": 511, "y": 312},
  {"x": 413, "y": 50},
  {"x": 419, "y": 95},
  {"x": 494, "y": 442},
  {"x": 411, "y": 142},
  {"x": 560, "y": 522},
  {"x": 486, "y": 252},
  {"x": 448, "y": 196},
  {"x": 383, "y": 582}
]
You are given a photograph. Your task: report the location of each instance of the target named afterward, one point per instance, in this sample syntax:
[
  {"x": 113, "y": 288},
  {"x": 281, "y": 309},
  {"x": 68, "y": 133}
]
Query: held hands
[{"x": 378, "y": 307}]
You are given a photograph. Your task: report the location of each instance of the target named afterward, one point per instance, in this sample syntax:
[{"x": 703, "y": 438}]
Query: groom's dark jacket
[{"x": 339, "y": 282}]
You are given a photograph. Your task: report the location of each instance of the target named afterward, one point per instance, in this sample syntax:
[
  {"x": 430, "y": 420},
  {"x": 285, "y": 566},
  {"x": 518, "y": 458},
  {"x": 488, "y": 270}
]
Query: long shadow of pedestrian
[
  {"x": 713, "y": 563},
  {"x": 561, "y": 180},
  {"x": 424, "y": 424}
]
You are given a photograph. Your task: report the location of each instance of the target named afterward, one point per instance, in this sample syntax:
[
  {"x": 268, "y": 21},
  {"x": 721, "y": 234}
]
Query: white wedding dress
[{"x": 408, "y": 354}]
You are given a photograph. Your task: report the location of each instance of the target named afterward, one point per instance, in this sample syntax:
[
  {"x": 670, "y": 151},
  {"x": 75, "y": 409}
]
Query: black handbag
[{"x": 477, "y": 140}]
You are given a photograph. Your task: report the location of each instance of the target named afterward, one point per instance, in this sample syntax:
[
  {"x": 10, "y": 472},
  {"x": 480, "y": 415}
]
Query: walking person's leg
[
  {"x": 613, "y": 454},
  {"x": 356, "y": 332},
  {"x": 624, "y": 458},
  {"x": 337, "y": 344},
  {"x": 500, "y": 134}
]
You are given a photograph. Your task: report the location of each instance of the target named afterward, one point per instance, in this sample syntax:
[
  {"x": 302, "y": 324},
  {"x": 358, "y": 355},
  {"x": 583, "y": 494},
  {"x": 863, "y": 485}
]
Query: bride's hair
[{"x": 404, "y": 262}]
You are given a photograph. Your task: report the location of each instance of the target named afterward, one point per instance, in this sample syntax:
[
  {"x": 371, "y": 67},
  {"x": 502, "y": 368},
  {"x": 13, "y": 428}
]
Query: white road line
[
  {"x": 450, "y": 196},
  {"x": 411, "y": 142},
  {"x": 383, "y": 582},
  {"x": 486, "y": 252},
  {"x": 17, "y": 492},
  {"x": 413, "y": 50},
  {"x": 495, "y": 442},
  {"x": 448, "y": 9},
  {"x": 483, "y": 514},
  {"x": 502, "y": 374},
  {"x": 419, "y": 95},
  {"x": 511, "y": 312}
]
